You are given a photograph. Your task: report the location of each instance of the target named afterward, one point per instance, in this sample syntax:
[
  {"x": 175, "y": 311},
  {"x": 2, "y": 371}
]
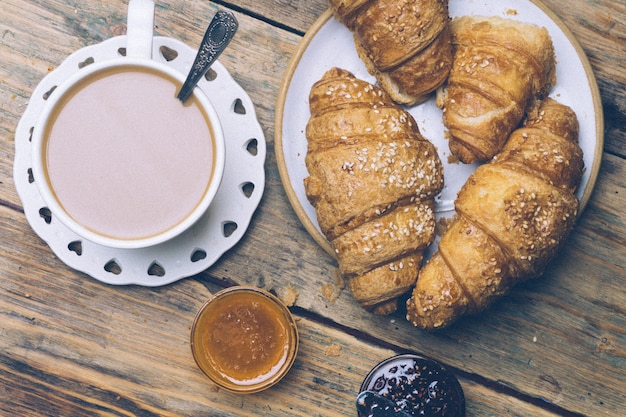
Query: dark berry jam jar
[{"x": 418, "y": 386}]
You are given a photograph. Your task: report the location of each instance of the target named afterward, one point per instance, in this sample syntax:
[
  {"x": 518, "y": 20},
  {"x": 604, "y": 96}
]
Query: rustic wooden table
[{"x": 73, "y": 346}]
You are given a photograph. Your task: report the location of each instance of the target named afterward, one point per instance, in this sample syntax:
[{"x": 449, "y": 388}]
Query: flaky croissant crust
[
  {"x": 369, "y": 149},
  {"x": 405, "y": 44},
  {"x": 392, "y": 30},
  {"x": 501, "y": 67},
  {"x": 372, "y": 180},
  {"x": 512, "y": 215}
]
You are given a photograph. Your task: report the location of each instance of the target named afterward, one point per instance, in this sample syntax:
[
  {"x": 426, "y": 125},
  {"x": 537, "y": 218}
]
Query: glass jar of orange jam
[{"x": 244, "y": 339}]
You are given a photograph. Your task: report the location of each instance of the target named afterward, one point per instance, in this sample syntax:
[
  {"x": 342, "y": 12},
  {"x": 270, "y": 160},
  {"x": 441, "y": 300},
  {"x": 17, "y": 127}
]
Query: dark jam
[{"x": 418, "y": 386}]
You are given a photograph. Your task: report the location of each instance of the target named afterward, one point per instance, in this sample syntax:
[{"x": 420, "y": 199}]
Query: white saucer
[{"x": 222, "y": 226}]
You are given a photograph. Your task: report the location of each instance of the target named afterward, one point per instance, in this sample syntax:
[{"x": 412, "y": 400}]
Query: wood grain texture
[
  {"x": 599, "y": 27},
  {"x": 70, "y": 345},
  {"x": 295, "y": 15}
]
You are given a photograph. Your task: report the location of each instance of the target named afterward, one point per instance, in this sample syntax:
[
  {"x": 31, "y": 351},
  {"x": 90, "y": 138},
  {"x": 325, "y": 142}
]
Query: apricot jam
[{"x": 244, "y": 339}]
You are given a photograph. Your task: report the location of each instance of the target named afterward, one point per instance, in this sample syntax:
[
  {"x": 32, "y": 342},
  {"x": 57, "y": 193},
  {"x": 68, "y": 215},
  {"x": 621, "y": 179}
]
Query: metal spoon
[{"x": 217, "y": 36}]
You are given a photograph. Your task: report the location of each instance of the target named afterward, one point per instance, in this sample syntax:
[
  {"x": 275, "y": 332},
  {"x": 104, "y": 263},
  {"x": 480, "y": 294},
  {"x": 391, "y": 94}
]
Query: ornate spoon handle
[{"x": 217, "y": 36}]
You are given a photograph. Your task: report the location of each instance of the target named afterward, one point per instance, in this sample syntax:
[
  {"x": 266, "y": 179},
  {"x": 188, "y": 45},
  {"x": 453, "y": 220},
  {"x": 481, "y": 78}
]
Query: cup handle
[{"x": 140, "y": 28}]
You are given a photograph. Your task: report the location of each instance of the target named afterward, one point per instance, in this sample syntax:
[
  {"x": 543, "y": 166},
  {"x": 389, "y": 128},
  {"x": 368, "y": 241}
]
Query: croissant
[
  {"x": 501, "y": 67},
  {"x": 405, "y": 44},
  {"x": 372, "y": 180},
  {"x": 511, "y": 217}
]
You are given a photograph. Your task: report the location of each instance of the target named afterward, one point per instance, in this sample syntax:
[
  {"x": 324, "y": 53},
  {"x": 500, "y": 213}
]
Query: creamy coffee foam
[{"x": 124, "y": 157}]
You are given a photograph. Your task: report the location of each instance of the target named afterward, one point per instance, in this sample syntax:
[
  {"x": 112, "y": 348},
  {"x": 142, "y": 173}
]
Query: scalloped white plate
[
  {"x": 196, "y": 249},
  {"x": 328, "y": 44}
]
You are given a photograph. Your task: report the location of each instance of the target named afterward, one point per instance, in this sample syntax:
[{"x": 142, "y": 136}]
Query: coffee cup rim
[{"x": 39, "y": 145}]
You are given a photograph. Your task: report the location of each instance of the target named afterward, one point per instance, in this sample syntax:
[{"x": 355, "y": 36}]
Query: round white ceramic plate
[
  {"x": 329, "y": 44},
  {"x": 196, "y": 249}
]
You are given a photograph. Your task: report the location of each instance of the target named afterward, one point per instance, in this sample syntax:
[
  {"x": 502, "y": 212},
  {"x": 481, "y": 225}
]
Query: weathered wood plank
[
  {"x": 499, "y": 345},
  {"x": 72, "y": 346},
  {"x": 600, "y": 29},
  {"x": 295, "y": 15},
  {"x": 91, "y": 348}
]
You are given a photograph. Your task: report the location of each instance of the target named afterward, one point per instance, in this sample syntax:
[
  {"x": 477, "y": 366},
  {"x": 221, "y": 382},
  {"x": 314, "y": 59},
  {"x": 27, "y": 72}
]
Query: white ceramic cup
[{"x": 116, "y": 156}]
